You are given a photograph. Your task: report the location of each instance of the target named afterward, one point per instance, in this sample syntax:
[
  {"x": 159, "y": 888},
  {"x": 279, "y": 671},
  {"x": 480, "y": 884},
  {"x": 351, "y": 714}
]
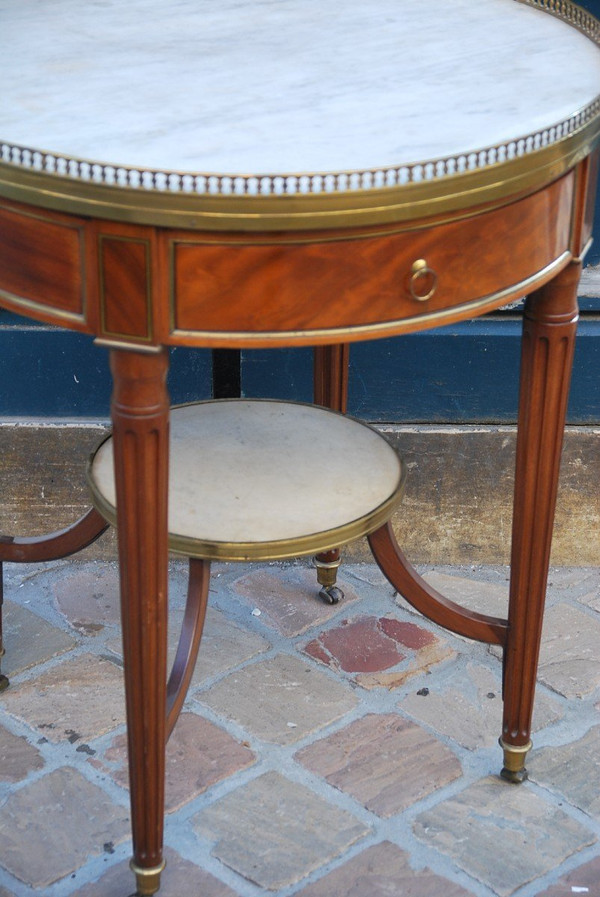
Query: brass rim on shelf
[
  {"x": 278, "y": 549},
  {"x": 311, "y": 200}
]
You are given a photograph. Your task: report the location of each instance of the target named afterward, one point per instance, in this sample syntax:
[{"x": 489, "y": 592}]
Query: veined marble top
[{"x": 283, "y": 86}]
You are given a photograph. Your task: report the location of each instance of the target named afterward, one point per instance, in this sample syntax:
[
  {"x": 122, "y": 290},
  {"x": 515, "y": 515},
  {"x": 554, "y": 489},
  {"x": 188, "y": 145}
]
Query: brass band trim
[
  {"x": 514, "y": 761},
  {"x": 585, "y": 250},
  {"x": 272, "y": 551},
  {"x": 147, "y": 879},
  {"x": 124, "y": 343},
  {"x": 310, "y": 211},
  {"x": 310, "y": 200},
  {"x": 296, "y": 184},
  {"x": 268, "y": 550},
  {"x": 22, "y": 305}
]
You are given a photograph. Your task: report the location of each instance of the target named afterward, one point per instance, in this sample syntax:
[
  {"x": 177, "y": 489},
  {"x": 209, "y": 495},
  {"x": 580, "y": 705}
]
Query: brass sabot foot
[
  {"x": 327, "y": 572},
  {"x": 147, "y": 880},
  {"x": 514, "y": 761}
]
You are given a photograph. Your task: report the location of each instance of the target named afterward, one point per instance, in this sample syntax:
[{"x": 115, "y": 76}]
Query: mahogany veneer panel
[
  {"x": 41, "y": 260},
  {"x": 125, "y": 294}
]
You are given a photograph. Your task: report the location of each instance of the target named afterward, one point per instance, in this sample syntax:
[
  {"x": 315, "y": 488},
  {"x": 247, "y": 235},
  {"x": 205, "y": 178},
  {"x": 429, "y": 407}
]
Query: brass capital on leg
[
  {"x": 514, "y": 761},
  {"x": 147, "y": 880}
]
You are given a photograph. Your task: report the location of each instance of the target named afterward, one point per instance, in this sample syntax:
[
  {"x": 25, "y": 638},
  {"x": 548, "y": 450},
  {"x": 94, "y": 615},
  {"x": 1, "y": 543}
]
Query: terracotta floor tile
[
  {"x": 274, "y": 831},
  {"x": 280, "y": 700},
  {"x": 76, "y": 700},
  {"x": 88, "y": 597},
  {"x": 383, "y": 870},
  {"x": 369, "y": 647},
  {"x": 583, "y": 881},
  {"x": 384, "y": 761},
  {"x": 505, "y": 836},
  {"x": 29, "y": 639},
  {"x": 17, "y": 757},
  {"x": 37, "y": 850},
  {"x": 466, "y": 705},
  {"x": 288, "y": 597},
  {"x": 199, "y": 754},
  {"x": 569, "y": 769},
  {"x": 569, "y": 661},
  {"x": 360, "y": 645}
]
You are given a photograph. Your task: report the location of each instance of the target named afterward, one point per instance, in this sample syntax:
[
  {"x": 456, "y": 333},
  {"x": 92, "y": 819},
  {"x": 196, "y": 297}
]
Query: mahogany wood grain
[
  {"x": 42, "y": 261},
  {"x": 289, "y": 284},
  {"x": 427, "y": 600},
  {"x": 60, "y": 544},
  {"x": 125, "y": 287},
  {"x": 140, "y": 414},
  {"x": 549, "y": 325},
  {"x": 189, "y": 639}
]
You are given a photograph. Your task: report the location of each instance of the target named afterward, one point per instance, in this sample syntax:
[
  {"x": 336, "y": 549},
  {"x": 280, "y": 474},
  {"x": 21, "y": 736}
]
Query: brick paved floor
[{"x": 346, "y": 751}]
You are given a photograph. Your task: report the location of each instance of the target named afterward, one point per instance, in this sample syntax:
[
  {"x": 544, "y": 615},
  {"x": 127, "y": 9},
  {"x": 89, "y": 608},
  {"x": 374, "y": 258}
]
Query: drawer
[{"x": 336, "y": 282}]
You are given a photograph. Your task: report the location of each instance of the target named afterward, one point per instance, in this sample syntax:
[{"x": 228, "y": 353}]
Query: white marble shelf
[{"x": 272, "y": 87}]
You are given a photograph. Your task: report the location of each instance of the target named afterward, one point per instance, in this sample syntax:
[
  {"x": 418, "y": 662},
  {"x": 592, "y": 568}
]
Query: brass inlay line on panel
[
  {"x": 104, "y": 239},
  {"x": 29, "y": 305}
]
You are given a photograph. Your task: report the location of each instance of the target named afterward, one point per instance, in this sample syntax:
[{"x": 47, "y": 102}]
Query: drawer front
[{"x": 283, "y": 285}]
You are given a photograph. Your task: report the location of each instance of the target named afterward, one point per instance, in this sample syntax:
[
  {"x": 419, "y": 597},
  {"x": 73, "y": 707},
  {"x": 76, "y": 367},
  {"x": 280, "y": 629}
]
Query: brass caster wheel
[
  {"x": 330, "y": 594},
  {"x": 514, "y": 770},
  {"x": 147, "y": 880}
]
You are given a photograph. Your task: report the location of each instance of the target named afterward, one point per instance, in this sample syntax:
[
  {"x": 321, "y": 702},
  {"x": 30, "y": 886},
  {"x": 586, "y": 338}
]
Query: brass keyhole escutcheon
[{"x": 423, "y": 281}]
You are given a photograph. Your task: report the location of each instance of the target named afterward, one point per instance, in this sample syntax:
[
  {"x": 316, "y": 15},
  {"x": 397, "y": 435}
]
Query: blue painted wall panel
[
  {"x": 459, "y": 374},
  {"x": 56, "y": 373},
  {"x": 467, "y": 373}
]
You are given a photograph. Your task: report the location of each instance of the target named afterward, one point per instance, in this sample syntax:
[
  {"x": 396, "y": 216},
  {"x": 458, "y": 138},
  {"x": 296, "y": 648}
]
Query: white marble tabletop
[{"x": 257, "y": 86}]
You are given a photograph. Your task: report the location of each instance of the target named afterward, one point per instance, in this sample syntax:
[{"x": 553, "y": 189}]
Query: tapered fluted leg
[
  {"x": 549, "y": 325},
  {"x": 331, "y": 390},
  {"x": 140, "y": 414}
]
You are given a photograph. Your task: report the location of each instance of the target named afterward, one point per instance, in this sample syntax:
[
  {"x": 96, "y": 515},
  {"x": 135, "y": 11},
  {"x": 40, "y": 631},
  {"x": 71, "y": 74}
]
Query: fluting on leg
[{"x": 549, "y": 325}]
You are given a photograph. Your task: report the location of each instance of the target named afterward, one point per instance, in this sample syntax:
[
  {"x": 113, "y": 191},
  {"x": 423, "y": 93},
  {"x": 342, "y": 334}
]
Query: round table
[{"x": 263, "y": 175}]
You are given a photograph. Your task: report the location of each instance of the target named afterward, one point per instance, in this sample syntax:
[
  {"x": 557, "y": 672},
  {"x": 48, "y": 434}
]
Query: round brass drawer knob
[{"x": 423, "y": 281}]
